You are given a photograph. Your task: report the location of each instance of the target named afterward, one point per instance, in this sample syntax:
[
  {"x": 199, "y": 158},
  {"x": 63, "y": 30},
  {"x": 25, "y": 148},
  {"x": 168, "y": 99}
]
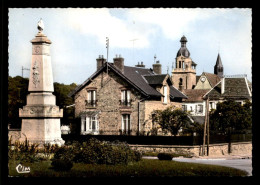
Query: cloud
[{"x": 100, "y": 23}]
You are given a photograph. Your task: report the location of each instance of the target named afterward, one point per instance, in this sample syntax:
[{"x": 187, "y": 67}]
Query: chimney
[
  {"x": 140, "y": 65},
  {"x": 222, "y": 85},
  {"x": 100, "y": 61},
  {"x": 119, "y": 63},
  {"x": 157, "y": 68}
]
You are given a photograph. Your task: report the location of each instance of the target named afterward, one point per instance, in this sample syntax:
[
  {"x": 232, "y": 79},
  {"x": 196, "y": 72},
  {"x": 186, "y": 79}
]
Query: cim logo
[{"x": 22, "y": 169}]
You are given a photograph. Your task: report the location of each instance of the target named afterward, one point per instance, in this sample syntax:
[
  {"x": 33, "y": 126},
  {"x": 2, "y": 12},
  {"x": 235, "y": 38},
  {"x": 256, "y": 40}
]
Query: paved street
[
  {"x": 235, "y": 162},
  {"x": 243, "y": 164}
]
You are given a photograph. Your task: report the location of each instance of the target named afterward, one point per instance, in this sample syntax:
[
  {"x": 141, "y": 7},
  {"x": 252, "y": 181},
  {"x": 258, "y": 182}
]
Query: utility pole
[
  {"x": 207, "y": 109},
  {"x": 24, "y": 69},
  {"x": 206, "y": 128}
]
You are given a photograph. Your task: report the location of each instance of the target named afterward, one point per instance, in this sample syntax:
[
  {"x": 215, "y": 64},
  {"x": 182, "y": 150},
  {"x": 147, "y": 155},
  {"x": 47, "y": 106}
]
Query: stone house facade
[{"x": 119, "y": 99}]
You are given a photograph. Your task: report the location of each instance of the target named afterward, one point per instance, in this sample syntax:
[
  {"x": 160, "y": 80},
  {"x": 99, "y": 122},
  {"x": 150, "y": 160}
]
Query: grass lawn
[{"x": 143, "y": 168}]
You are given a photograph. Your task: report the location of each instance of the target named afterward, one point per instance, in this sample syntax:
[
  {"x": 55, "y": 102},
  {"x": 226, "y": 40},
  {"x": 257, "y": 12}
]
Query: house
[
  {"x": 207, "y": 81},
  {"x": 232, "y": 87},
  {"x": 195, "y": 104},
  {"x": 119, "y": 99}
]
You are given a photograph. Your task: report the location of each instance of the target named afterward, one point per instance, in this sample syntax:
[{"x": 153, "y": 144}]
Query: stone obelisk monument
[{"x": 41, "y": 116}]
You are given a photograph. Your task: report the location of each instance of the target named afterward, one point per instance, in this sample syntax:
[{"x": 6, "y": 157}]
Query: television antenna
[{"x": 133, "y": 40}]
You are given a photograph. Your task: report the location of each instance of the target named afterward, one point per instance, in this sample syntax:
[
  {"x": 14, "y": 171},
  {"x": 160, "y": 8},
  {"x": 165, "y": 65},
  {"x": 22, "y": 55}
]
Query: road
[{"x": 242, "y": 164}]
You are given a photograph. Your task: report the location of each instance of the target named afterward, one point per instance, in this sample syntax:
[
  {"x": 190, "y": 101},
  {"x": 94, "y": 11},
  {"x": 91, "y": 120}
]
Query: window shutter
[
  {"x": 129, "y": 122},
  {"x": 83, "y": 123},
  {"x": 128, "y": 96},
  {"x": 89, "y": 96},
  {"x": 97, "y": 124},
  {"x": 88, "y": 125},
  {"x": 122, "y": 96},
  {"x": 123, "y": 123},
  {"x": 94, "y": 95}
]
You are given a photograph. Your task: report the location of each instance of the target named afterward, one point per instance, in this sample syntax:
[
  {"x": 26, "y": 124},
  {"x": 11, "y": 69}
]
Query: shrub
[
  {"x": 165, "y": 156},
  {"x": 23, "y": 151},
  {"x": 61, "y": 165},
  {"x": 94, "y": 151}
]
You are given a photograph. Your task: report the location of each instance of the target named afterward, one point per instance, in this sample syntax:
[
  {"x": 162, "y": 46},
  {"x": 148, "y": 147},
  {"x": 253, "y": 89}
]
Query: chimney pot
[
  {"x": 119, "y": 63},
  {"x": 100, "y": 61},
  {"x": 222, "y": 85},
  {"x": 157, "y": 68}
]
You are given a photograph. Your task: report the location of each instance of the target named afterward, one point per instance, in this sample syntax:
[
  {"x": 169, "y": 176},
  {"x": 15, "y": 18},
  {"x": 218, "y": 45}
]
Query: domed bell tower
[{"x": 184, "y": 73}]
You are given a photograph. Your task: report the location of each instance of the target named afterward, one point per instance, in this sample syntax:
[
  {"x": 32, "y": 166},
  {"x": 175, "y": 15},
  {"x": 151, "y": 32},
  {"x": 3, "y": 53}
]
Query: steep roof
[
  {"x": 212, "y": 78},
  {"x": 136, "y": 77},
  {"x": 195, "y": 95},
  {"x": 235, "y": 88},
  {"x": 155, "y": 79},
  {"x": 219, "y": 62}
]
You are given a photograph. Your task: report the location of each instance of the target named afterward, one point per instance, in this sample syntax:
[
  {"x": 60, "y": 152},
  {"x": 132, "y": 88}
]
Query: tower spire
[{"x": 218, "y": 68}]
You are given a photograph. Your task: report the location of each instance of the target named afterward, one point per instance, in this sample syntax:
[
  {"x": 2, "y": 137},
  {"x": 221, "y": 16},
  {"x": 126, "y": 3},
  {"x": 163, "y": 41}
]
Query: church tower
[
  {"x": 184, "y": 73},
  {"x": 218, "y": 68}
]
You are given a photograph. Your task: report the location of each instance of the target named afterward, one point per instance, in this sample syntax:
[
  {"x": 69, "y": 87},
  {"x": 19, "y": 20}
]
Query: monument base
[{"x": 41, "y": 131}]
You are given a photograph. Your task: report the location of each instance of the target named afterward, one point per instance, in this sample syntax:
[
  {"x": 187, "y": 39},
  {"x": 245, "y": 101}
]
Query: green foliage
[
  {"x": 18, "y": 90},
  {"x": 23, "y": 151},
  {"x": 94, "y": 151},
  {"x": 165, "y": 156},
  {"x": 171, "y": 119},
  {"x": 231, "y": 117}
]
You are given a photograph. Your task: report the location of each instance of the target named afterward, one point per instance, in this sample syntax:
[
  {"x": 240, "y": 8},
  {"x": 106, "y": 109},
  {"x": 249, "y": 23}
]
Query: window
[
  {"x": 125, "y": 97},
  {"x": 89, "y": 124},
  {"x": 184, "y": 107},
  {"x": 191, "y": 109},
  {"x": 179, "y": 64},
  {"x": 91, "y": 101},
  {"x": 126, "y": 128},
  {"x": 200, "y": 108},
  {"x": 165, "y": 93}
]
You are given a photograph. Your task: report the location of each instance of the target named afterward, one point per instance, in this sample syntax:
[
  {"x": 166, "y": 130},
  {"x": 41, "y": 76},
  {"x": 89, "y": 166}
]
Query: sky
[{"x": 78, "y": 37}]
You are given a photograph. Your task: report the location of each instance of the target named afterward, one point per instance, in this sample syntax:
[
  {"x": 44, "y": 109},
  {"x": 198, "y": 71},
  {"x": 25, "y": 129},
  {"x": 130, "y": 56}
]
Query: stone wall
[
  {"x": 241, "y": 148},
  {"x": 108, "y": 94}
]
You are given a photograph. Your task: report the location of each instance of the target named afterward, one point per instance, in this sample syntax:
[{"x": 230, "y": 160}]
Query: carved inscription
[{"x": 36, "y": 74}]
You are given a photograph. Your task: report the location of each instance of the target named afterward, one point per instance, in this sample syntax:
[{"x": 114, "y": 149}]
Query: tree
[
  {"x": 18, "y": 90},
  {"x": 230, "y": 117},
  {"x": 171, "y": 119}
]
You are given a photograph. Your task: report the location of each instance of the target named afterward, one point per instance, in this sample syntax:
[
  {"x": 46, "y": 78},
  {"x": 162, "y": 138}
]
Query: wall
[
  {"x": 241, "y": 148},
  {"x": 184, "y": 73},
  {"x": 108, "y": 91},
  {"x": 203, "y": 85},
  {"x": 193, "y": 105}
]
